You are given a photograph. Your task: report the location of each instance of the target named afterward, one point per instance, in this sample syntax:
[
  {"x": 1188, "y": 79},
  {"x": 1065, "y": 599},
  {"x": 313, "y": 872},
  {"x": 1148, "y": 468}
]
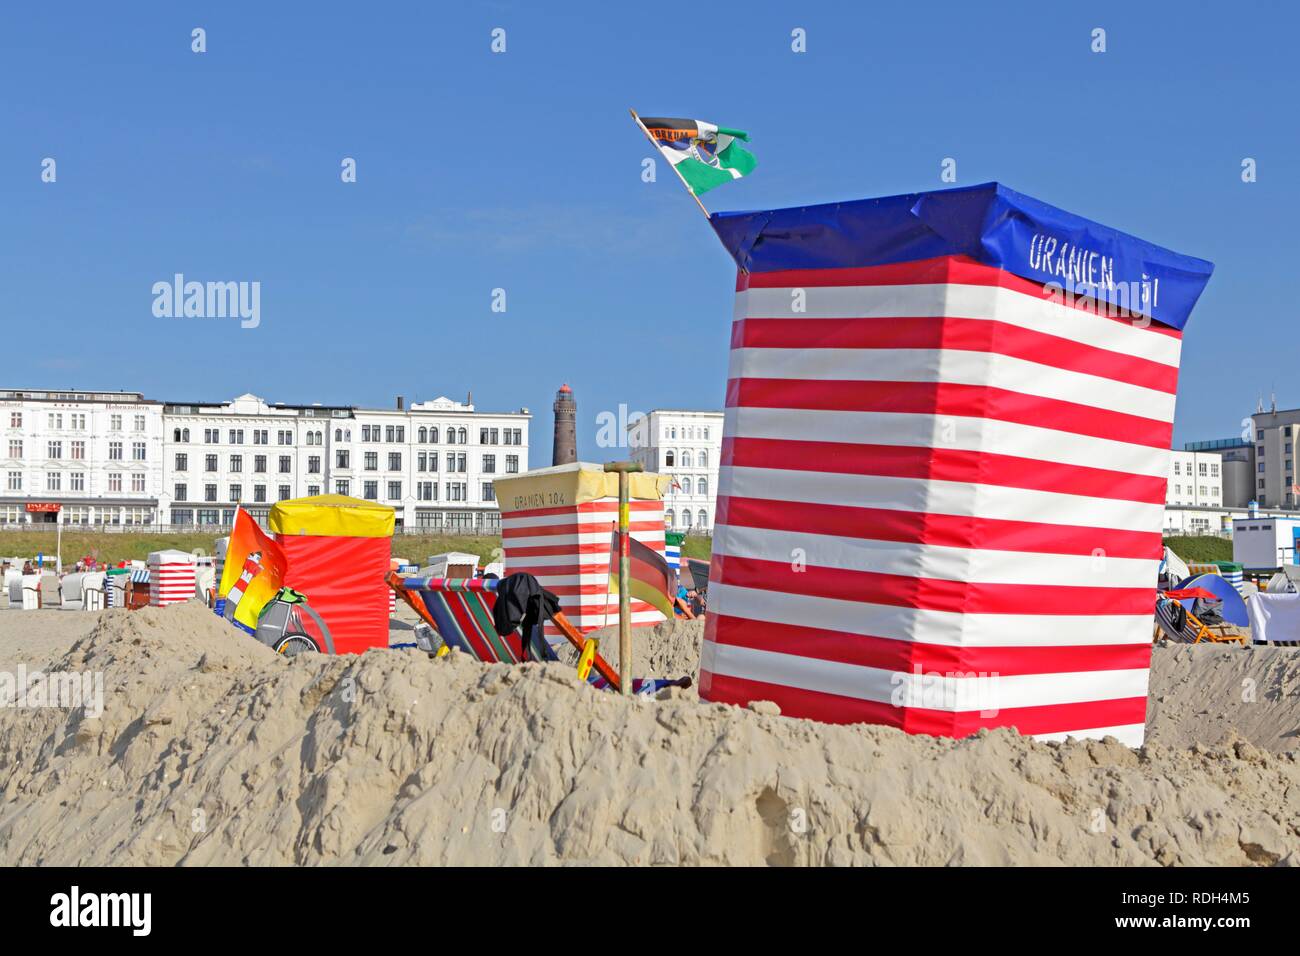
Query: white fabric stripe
[
  {"x": 931, "y": 496},
  {"x": 948, "y": 431},
  {"x": 962, "y": 301},
  {"x": 933, "y": 561},
  {"x": 918, "y": 626},
  {"x": 595, "y": 578},
  {"x": 597, "y": 519},
  {"x": 952, "y": 366},
  {"x": 572, "y": 540},
  {"x": 929, "y": 691},
  {"x": 1130, "y": 735}
]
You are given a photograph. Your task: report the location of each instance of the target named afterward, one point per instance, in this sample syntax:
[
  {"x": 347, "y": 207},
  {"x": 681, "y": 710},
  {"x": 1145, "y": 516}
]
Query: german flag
[{"x": 651, "y": 578}]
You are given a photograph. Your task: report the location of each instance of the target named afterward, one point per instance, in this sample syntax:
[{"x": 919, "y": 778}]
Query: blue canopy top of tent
[
  {"x": 991, "y": 224},
  {"x": 1234, "y": 608}
]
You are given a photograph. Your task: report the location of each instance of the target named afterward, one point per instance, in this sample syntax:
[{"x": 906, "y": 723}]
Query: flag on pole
[
  {"x": 673, "y": 548},
  {"x": 651, "y": 578},
  {"x": 253, "y": 573},
  {"x": 703, "y": 155}
]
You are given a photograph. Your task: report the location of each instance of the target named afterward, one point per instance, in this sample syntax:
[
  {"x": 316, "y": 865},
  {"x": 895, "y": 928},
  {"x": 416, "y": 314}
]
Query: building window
[
  {"x": 15, "y": 481},
  {"x": 426, "y": 491},
  {"x": 313, "y": 464},
  {"x": 372, "y": 461},
  {"x": 209, "y": 462},
  {"x": 259, "y": 464},
  {"x": 55, "y": 449},
  {"x": 489, "y": 464},
  {"x": 182, "y": 462},
  {"x": 15, "y": 448},
  {"x": 686, "y": 486},
  {"x": 78, "y": 450},
  {"x": 77, "y": 481},
  {"x": 115, "y": 481},
  {"x": 702, "y": 519},
  {"x": 370, "y": 490},
  {"x": 15, "y": 419},
  {"x": 209, "y": 492},
  {"x": 313, "y": 490},
  {"x": 342, "y": 487},
  {"x": 433, "y": 435},
  {"x": 394, "y": 461},
  {"x": 285, "y": 492},
  {"x": 394, "y": 491},
  {"x": 138, "y": 451},
  {"x": 670, "y": 459},
  {"x": 259, "y": 493},
  {"x": 341, "y": 460},
  {"x": 686, "y": 518},
  {"x": 702, "y": 487},
  {"x": 512, "y": 464},
  {"x": 489, "y": 493},
  {"x": 179, "y": 492},
  {"x": 236, "y": 493},
  {"x": 115, "y": 451},
  {"x": 286, "y": 464},
  {"x": 115, "y": 424},
  {"x": 236, "y": 463}
]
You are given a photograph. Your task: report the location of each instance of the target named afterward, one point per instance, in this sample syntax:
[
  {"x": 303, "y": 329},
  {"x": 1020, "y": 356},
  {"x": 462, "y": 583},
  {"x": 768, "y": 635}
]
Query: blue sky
[{"x": 521, "y": 171}]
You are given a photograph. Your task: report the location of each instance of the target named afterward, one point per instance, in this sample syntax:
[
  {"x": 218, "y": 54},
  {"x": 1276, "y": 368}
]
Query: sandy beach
[{"x": 211, "y": 749}]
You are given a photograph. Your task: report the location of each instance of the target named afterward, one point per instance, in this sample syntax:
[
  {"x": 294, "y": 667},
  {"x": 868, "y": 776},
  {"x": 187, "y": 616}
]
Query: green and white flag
[{"x": 703, "y": 154}]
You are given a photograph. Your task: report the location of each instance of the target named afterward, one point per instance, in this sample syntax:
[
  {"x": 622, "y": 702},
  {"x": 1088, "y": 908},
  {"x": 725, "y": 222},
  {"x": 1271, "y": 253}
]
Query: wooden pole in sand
[{"x": 624, "y": 573}]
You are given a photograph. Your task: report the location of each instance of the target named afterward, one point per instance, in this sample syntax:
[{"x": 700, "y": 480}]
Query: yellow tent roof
[
  {"x": 332, "y": 515},
  {"x": 562, "y": 486}
]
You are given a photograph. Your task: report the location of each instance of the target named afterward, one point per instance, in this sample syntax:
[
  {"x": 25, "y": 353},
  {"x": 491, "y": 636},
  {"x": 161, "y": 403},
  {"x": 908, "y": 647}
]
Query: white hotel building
[
  {"x": 97, "y": 455},
  {"x": 688, "y": 446},
  {"x": 119, "y": 459}
]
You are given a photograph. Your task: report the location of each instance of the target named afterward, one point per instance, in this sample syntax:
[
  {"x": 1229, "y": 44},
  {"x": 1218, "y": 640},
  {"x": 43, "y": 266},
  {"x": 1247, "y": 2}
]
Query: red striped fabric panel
[
  {"x": 837, "y": 709},
  {"x": 949, "y": 332},
  {"x": 953, "y": 531},
  {"x": 889, "y": 654},
  {"x": 941, "y": 464}
]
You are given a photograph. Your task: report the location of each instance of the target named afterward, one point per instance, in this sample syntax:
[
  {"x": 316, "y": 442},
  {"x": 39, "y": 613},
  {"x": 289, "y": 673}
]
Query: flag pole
[
  {"x": 641, "y": 126},
  {"x": 624, "y": 573}
]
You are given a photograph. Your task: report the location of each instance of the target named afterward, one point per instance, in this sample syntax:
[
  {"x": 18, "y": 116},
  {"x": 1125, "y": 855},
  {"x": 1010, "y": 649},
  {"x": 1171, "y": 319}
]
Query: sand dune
[{"x": 211, "y": 749}]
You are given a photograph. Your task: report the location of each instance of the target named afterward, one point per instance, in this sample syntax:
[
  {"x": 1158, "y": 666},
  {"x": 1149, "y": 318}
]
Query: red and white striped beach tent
[
  {"x": 171, "y": 577},
  {"x": 943, "y": 476},
  {"x": 556, "y": 524}
]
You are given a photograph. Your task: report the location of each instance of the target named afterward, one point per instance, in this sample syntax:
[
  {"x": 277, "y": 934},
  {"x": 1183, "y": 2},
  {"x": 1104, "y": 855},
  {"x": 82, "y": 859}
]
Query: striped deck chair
[
  {"x": 1184, "y": 627},
  {"x": 460, "y": 611}
]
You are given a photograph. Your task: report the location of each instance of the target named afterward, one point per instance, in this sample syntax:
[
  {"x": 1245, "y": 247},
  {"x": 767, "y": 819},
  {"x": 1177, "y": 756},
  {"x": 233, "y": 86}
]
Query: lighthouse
[{"x": 565, "y": 449}]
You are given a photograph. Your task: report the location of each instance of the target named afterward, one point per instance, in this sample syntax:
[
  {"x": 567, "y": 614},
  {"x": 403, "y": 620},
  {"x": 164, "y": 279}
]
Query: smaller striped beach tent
[{"x": 460, "y": 610}]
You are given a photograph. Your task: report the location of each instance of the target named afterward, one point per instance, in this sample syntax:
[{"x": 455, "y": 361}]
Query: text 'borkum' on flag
[{"x": 702, "y": 154}]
